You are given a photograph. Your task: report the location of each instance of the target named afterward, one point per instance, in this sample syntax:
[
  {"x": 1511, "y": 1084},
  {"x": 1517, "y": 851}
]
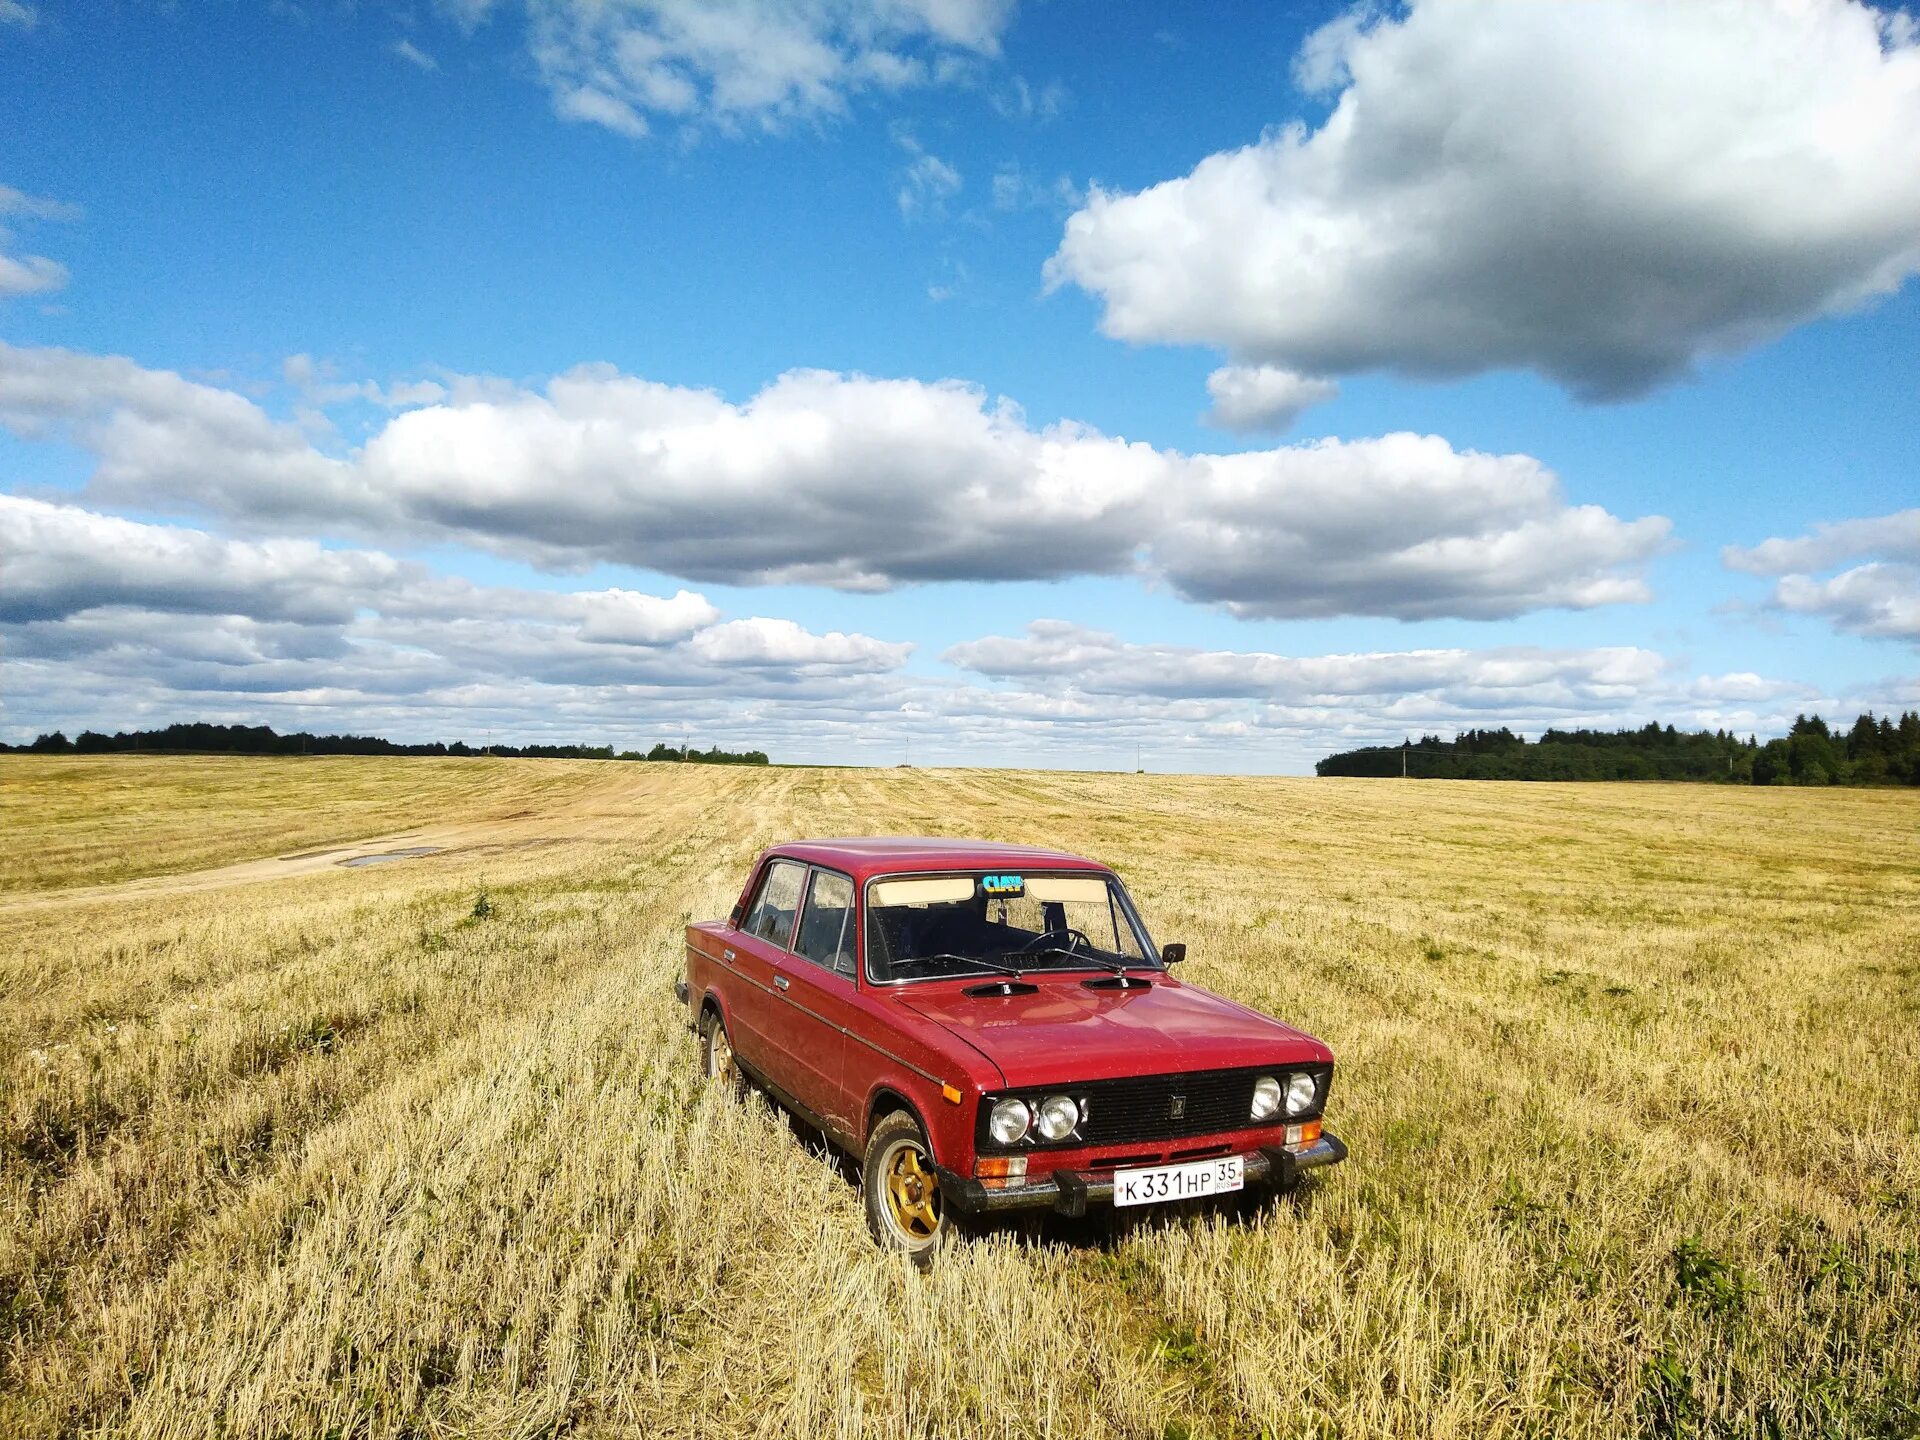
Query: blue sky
[{"x": 284, "y": 289}]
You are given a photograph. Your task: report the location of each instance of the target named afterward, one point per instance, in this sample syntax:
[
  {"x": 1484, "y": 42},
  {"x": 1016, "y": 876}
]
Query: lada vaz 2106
[{"x": 991, "y": 1029}]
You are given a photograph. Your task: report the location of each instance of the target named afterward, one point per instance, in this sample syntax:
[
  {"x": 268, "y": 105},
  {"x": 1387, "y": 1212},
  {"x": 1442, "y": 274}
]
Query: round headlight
[
  {"x": 1266, "y": 1097},
  {"x": 1058, "y": 1116},
  {"x": 1300, "y": 1092},
  {"x": 1009, "y": 1121}
]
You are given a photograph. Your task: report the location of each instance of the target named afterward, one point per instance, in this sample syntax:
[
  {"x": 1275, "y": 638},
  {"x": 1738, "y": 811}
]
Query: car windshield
[{"x": 925, "y": 927}]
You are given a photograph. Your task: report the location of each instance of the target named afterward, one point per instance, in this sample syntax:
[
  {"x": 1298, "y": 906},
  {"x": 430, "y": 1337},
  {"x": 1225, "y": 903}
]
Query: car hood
[{"x": 1068, "y": 1031}]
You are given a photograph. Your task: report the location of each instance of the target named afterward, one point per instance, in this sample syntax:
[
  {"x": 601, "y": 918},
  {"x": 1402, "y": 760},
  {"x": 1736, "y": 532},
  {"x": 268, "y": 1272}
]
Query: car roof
[{"x": 868, "y": 855}]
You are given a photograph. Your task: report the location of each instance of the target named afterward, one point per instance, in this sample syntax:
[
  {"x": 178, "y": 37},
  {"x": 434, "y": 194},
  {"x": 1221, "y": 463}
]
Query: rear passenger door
[
  {"x": 756, "y": 1007},
  {"x": 818, "y": 992}
]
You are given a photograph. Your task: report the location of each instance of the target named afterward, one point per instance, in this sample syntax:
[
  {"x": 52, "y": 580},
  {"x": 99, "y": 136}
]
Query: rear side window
[
  {"x": 771, "y": 916},
  {"x": 826, "y": 930}
]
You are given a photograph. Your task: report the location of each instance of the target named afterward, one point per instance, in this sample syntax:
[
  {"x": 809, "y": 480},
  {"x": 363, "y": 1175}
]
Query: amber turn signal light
[
  {"x": 1303, "y": 1134},
  {"x": 999, "y": 1172}
]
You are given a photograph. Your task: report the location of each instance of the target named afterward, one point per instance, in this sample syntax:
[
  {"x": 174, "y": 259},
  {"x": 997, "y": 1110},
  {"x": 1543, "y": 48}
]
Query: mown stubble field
[{"x": 1630, "y": 1074}]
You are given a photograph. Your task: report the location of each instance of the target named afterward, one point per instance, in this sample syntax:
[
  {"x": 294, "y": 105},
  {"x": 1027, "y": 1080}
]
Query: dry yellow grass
[{"x": 1630, "y": 1075}]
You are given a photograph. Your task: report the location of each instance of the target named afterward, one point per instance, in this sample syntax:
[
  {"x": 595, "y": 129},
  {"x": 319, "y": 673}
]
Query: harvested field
[{"x": 411, "y": 1148}]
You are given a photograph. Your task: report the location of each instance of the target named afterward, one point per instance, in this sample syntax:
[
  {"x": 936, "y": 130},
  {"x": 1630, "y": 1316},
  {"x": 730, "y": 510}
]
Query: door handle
[
  {"x": 782, "y": 981},
  {"x": 726, "y": 955}
]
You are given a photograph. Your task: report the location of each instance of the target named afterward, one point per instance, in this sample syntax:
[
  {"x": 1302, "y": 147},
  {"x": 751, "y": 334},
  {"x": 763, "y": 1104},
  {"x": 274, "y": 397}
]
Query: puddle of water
[{"x": 412, "y": 853}]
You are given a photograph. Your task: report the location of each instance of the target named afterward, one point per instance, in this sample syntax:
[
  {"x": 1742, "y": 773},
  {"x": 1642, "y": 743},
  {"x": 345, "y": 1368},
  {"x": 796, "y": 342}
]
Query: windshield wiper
[
  {"x": 1115, "y": 967},
  {"x": 974, "y": 960}
]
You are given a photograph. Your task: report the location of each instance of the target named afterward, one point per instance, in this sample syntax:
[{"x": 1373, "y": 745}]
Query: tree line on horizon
[
  {"x": 1875, "y": 751},
  {"x": 203, "y": 739}
]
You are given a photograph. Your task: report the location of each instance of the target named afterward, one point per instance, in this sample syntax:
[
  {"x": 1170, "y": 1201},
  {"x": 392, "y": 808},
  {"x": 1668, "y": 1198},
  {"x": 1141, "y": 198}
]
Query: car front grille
[{"x": 1155, "y": 1107}]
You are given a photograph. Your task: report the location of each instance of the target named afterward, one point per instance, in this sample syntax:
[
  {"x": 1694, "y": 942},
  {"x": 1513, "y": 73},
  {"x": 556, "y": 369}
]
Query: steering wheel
[{"x": 1071, "y": 934}]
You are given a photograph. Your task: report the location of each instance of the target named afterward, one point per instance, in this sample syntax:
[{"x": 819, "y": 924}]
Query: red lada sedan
[{"x": 991, "y": 1029}]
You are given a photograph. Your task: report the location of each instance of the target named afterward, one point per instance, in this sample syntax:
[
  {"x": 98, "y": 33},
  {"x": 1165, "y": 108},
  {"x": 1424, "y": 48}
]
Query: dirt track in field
[{"x": 567, "y": 821}]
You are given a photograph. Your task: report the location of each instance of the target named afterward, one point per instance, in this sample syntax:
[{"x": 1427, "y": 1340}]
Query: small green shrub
[{"x": 1718, "y": 1285}]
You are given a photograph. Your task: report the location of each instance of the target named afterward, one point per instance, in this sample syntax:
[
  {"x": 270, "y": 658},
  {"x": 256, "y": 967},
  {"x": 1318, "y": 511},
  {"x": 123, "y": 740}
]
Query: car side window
[
  {"x": 771, "y": 916},
  {"x": 826, "y": 929}
]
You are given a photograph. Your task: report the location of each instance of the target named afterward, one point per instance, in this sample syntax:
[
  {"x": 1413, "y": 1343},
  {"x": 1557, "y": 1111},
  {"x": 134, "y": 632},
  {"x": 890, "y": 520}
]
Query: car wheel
[
  {"x": 905, "y": 1210},
  {"x": 716, "y": 1055}
]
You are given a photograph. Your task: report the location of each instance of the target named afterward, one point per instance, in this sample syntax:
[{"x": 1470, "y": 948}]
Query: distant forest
[
  {"x": 202, "y": 739},
  {"x": 1874, "y": 752}
]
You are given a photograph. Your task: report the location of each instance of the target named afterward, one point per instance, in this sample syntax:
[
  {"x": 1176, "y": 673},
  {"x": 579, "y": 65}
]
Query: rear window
[
  {"x": 771, "y": 916},
  {"x": 826, "y": 928}
]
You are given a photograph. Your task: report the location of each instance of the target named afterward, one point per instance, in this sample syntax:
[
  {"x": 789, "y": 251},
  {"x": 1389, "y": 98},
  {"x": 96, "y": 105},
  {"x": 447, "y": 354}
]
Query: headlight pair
[
  {"x": 1296, "y": 1093},
  {"x": 1055, "y": 1119}
]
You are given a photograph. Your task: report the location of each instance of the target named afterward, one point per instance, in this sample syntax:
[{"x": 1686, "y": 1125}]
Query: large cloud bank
[
  {"x": 855, "y": 483},
  {"x": 1601, "y": 192},
  {"x": 109, "y": 623}
]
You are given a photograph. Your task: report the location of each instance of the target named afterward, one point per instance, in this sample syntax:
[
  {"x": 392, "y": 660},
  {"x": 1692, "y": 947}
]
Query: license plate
[{"x": 1153, "y": 1183}]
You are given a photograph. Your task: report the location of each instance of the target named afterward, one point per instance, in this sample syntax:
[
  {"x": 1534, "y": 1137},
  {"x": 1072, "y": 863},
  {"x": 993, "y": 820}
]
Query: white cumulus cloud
[
  {"x": 1601, "y": 192},
  {"x": 1894, "y": 537},
  {"x": 851, "y": 482},
  {"x": 58, "y": 560},
  {"x": 156, "y": 433},
  {"x": 627, "y": 617},
  {"x": 1877, "y": 599},
  {"x": 1263, "y": 397},
  {"x": 782, "y": 643},
  {"x": 1880, "y": 597},
  {"x": 1402, "y": 525}
]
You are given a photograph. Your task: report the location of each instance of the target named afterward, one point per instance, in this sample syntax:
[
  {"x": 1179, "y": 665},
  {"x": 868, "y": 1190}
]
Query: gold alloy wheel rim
[
  {"x": 719, "y": 1054},
  {"x": 913, "y": 1195}
]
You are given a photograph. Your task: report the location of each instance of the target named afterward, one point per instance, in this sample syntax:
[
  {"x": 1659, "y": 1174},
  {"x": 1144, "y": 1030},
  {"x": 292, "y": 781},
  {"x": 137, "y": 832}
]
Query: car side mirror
[{"x": 1173, "y": 953}]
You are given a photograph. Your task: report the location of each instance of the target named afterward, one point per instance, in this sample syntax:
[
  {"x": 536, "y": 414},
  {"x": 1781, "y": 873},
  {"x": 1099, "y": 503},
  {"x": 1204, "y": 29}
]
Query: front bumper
[{"x": 1070, "y": 1192}]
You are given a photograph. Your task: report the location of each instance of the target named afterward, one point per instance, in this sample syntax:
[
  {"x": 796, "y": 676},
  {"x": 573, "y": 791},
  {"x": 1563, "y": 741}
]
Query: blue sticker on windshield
[{"x": 1003, "y": 884}]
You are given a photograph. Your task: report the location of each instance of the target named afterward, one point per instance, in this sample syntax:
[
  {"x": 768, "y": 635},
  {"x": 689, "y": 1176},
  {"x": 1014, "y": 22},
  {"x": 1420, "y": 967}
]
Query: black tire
[
  {"x": 905, "y": 1210},
  {"x": 717, "y": 1062}
]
